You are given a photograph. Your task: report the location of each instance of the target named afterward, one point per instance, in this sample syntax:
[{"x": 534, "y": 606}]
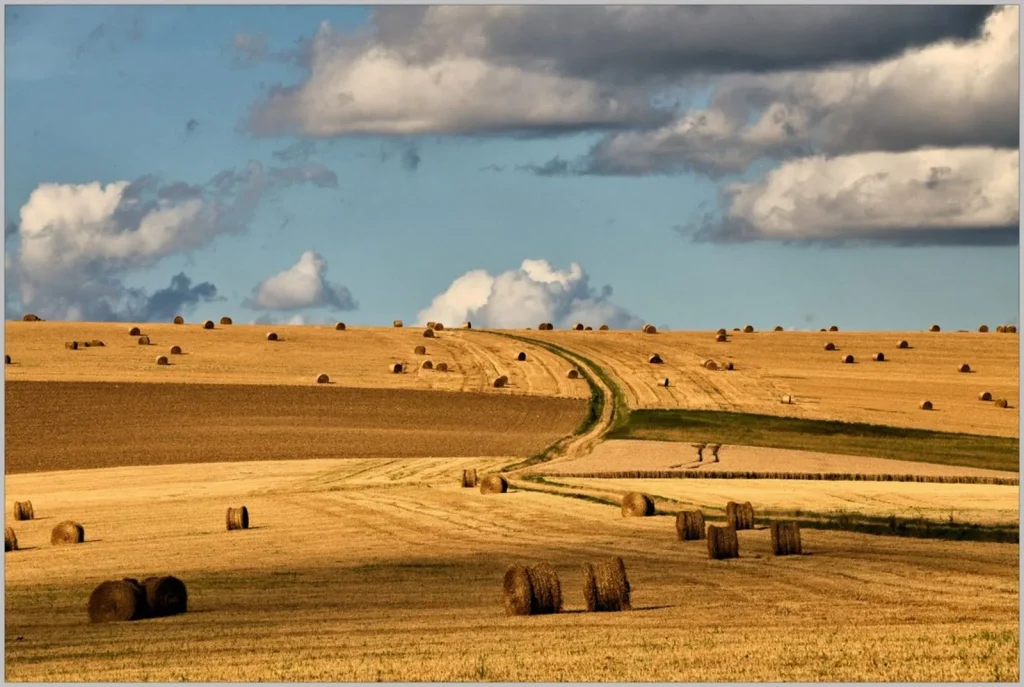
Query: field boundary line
[{"x": 819, "y": 476}]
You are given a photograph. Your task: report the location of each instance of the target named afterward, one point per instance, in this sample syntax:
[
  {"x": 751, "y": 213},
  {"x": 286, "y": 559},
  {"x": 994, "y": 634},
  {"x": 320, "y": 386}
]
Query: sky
[{"x": 688, "y": 167}]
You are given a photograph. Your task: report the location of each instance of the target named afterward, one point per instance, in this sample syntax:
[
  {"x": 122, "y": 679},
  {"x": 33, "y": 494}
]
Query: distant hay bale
[
  {"x": 10, "y": 539},
  {"x": 396, "y": 323},
  {"x": 162, "y": 360},
  {"x": 438, "y": 327},
  {"x": 1011, "y": 329},
  {"x": 521, "y": 356},
  {"x": 144, "y": 341},
  {"x": 178, "y": 319},
  {"x": 847, "y": 359},
  {"x": 822, "y": 330},
  {"x": 208, "y": 324},
  {"x": 606, "y": 587},
  {"x": 175, "y": 350},
  {"x": 7, "y": 359},
  {"x": 533, "y": 590},
  {"x": 650, "y": 329},
  {"x": 787, "y": 399},
  {"x": 23, "y": 510},
  {"x": 441, "y": 367},
  {"x": 578, "y": 327},
  {"x": 226, "y": 320},
  {"x": 983, "y": 329},
  {"x": 878, "y": 357},
  {"x": 238, "y": 518},
  {"x": 833, "y": 328},
  {"x": 925, "y": 405},
  {"x": 71, "y": 345},
  {"x": 165, "y": 596},
  {"x": 323, "y": 379},
  {"x": 903, "y": 343},
  {"x": 730, "y": 365},
  {"x": 985, "y": 396},
  {"x": 493, "y": 484},
  {"x": 340, "y": 326},
  {"x": 428, "y": 333},
  {"x": 663, "y": 381},
  {"x": 749, "y": 329},
  {"x": 690, "y": 525},
  {"x": 67, "y": 532},
  {"x": 271, "y": 336},
  {"x": 786, "y": 539},
  {"x": 655, "y": 359},
  {"x": 709, "y": 364},
  {"x": 545, "y": 326},
  {"x": 721, "y": 338},
  {"x": 722, "y": 543},
  {"x": 134, "y": 331},
  {"x": 467, "y": 325},
  {"x": 500, "y": 382},
  {"x": 637, "y": 505},
  {"x": 469, "y": 479},
  {"x": 420, "y": 350},
  {"x": 740, "y": 515},
  {"x": 588, "y": 328},
  {"x": 830, "y": 346},
  {"x": 30, "y": 317},
  {"x": 116, "y": 601},
  {"x": 1001, "y": 328},
  {"x": 721, "y": 332},
  {"x": 573, "y": 374},
  {"x": 934, "y": 328},
  {"x": 778, "y": 328},
  {"x": 396, "y": 368},
  {"x": 1001, "y": 403},
  {"x": 430, "y": 325},
  {"x": 964, "y": 367},
  {"x": 427, "y": 365},
  {"x": 96, "y": 343},
  {"x": 603, "y": 328}
]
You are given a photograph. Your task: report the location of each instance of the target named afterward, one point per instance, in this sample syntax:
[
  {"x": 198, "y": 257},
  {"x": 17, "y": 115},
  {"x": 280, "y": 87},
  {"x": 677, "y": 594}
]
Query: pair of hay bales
[
  {"x": 545, "y": 326},
  {"x": 1007, "y": 329},
  {"x": 987, "y": 396},
  {"x": 23, "y": 510},
  {"x": 238, "y": 518},
  {"x": 77, "y": 345},
  {"x": 536, "y": 590},
  {"x": 128, "y": 599},
  {"x": 493, "y": 484},
  {"x": 67, "y": 532},
  {"x": 469, "y": 479},
  {"x": 740, "y": 515}
]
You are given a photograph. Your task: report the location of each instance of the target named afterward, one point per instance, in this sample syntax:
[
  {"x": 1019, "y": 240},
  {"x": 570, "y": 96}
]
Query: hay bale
[
  {"x": 178, "y": 319},
  {"x": 787, "y": 399},
  {"x": 588, "y": 328},
  {"x": 637, "y": 505},
  {"x": 985, "y": 396},
  {"x": 573, "y": 374},
  {"x": 467, "y": 325},
  {"x": 740, "y": 516},
  {"x": 469, "y": 479},
  {"x": 396, "y": 368},
  {"x": 271, "y": 336},
  {"x": 238, "y": 518},
  {"x": 340, "y": 326},
  {"x": 533, "y": 590},
  {"x": 1001, "y": 403},
  {"x": 690, "y": 525},
  {"x": 144, "y": 341},
  {"x": 71, "y": 345},
  {"x": 427, "y": 365},
  {"x": 323, "y": 379},
  {"x": 822, "y": 330},
  {"x": 1011, "y": 329},
  {"x": 833, "y": 328},
  {"x": 730, "y": 365},
  {"x": 650, "y": 329},
  {"x": 10, "y": 540},
  {"x": 521, "y": 356},
  {"x": 67, "y": 532},
  {"x": 606, "y": 587},
  {"x": 878, "y": 357},
  {"x": 420, "y": 350},
  {"x": 500, "y": 382},
  {"x": 903, "y": 343},
  {"x": 722, "y": 543},
  {"x": 441, "y": 367},
  {"x": 1001, "y": 328},
  {"x": 438, "y": 327},
  {"x": 603, "y": 328},
  {"x": 175, "y": 350},
  {"x": 396, "y": 323},
  {"x": 134, "y": 331},
  {"x": 117, "y": 601},
  {"x": 786, "y": 539},
  {"x": 778, "y": 328},
  {"x": 7, "y": 359},
  {"x": 829, "y": 346},
  {"x": 208, "y": 324},
  {"x": 934, "y": 328},
  {"x": 428, "y": 333},
  {"x": 963, "y": 367},
  {"x": 721, "y": 338},
  {"x": 162, "y": 360},
  {"x": 655, "y": 359},
  {"x": 709, "y": 364},
  {"x": 165, "y": 596},
  {"x": 96, "y": 343},
  {"x": 30, "y": 317},
  {"x": 226, "y": 320},
  {"x": 23, "y": 510},
  {"x": 663, "y": 381},
  {"x": 493, "y": 484},
  {"x": 578, "y": 327},
  {"x": 925, "y": 405},
  {"x": 983, "y": 329},
  {"x": 847, "y": 359},
  {"x": 430, "y": 325},
  {"x": 749, "y": 329},
  {"x": 721, "y": 332}
]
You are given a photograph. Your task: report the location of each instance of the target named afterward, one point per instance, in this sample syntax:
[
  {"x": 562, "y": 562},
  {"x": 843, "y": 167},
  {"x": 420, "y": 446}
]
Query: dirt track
[{"x": 73, "y": 425}]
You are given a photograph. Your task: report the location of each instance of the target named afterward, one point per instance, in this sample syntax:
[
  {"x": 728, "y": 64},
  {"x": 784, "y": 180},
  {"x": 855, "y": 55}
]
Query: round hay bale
[
  {"x": 650, "y": 329},
  {"x": 71, "y": 345},
  {"x": 721, "y": 332},
  {"x": 934, "y": 328},
  {"x": 663, "y": 381},
  {"x": 635, "y": 504},
  {"x": 117, "y": 601},
  {"x": 740, "y": 516},
  {"x": 588, "y": 328},
  {"x": 23, "y": 510},
  {"x": 420, "y": 350},
  {"x": 30, "y": 317},
  {"x": 271, "y": 336},
  {"x": 467, "y": 325},
  {"x": 226, "y": 320},
  {"x": 822, "y": 330},
  {"x": 985, "y": 396},
  {"x": 500, "y": 382},
  {"x": 709, "y": 365},
  {"x": 396, "y": 368},
  {"x": 830, "y": 346},
  {"x": 878, "y": 357},
  {"x": 7, "y": 359},
  {"x": 722, "y": 543},
  {"x": 1011, "y": 329},
  {"x": 323, "y": 379},
  {"x": 178, "y": 319},
  {"x": 396, "y": 323},
  {"x": 778, "y": 328},
  {"x": 521, "y": 356},
  {"x": 721, "y": 338},
  {"x": 833, "y": 328},
  {"x": 749, "y": 329},
  {"x": 606, "y": 587},
  {"x": 925, "y": 405},
  {"x": 903, "y": 343},
  {"x": 787, "y": 399},
  {"x": 144, "y": 341},
  {"x": 175, "y": 350},
  {"x": 603, "y": 328},
  {"x": 134, "y": 331},
  {"x": 1001, "y": 403},
  {"x": 983, "y": 329},
  {"x": 428, "y": 333},
  {"x": 1001, "y": 328},
  {"x": 165, "y": 596},
  {"x": 963, "y": 367},
  {"x": 441, "y": 367},
  {"x": 578, "y": 327},
  {"x": 10, "y": 540},
  {"x": 690, "y": 525},
  {"x": 208, "y": 324},
  {"x": 847, "y": 359},
  {"x": 655, "y": 359},
  {"x": 438, "y": 327},
  {"x": 786, "y": 539},
  {"x": 162, "y": 360},
  {"x": 543, "y": 326},
  {"x": 493, "y": 484},
  {"x": 469, "y": 480},
  {"x": 430, "y": 325},
  {"x": 532, "y": 590},
  {"x": 67, "y": 532},
  {"x": 238, "y": 518},
  {"x": 340, "y": 326},
  {"x": 427, "y": 365},
  {"x": 573, "y": 374},
  {"x": 730, "y": 365}
]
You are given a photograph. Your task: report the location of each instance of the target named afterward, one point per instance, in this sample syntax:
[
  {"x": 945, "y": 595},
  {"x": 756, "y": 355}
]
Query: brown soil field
[
  {"x": 772, "y": 364},
  {"x": 620, "y": 455},
  {"x": 352, "y": 566},
  {"x": 240, "y": 354},
  {"x": 71, "y": 425}
]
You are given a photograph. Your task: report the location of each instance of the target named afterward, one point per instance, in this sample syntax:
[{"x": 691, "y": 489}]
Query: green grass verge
[{"x": 850, "y": 438}]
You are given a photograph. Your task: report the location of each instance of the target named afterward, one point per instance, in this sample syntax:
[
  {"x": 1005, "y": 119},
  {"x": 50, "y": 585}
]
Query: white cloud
[
  {"x": 525, "y": 297},
  {"x": 303, "y": 285}
]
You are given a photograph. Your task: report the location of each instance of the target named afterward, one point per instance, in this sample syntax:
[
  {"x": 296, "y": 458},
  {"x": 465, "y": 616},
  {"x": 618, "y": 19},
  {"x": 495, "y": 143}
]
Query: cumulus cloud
[
  {"x": 303, "y": 285},
  {"x": 534, "y": 293},
  {"x": 77, "y": 242},
  {"x": 959, "y": 196}
]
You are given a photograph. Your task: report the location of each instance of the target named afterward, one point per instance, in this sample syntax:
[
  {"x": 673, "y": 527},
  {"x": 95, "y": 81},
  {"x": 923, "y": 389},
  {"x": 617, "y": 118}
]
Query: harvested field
[
  {"x": 70, "y": 425},
  {"x": 794, "y": 363},
  {"x": 857, "y": 608}
]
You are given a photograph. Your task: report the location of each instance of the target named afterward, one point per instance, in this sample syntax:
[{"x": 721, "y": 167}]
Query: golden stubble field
[
  {"x": 769, "y": 365},
  {"x": 386, "y": 570}
]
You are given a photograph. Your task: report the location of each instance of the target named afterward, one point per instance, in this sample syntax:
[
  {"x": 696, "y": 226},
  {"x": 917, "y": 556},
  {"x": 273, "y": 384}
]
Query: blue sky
[{"x": 106, "y": 94}]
